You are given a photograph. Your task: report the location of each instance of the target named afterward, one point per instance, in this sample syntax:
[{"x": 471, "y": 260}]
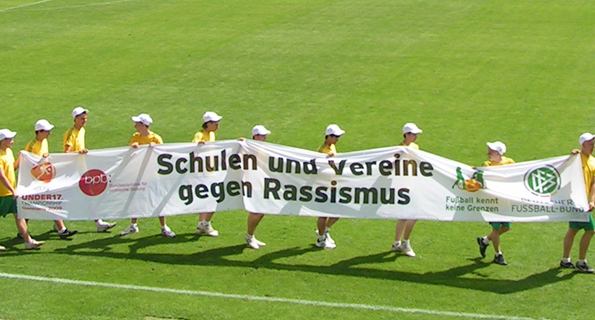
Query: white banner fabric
[{"x": 386, "y": 183}]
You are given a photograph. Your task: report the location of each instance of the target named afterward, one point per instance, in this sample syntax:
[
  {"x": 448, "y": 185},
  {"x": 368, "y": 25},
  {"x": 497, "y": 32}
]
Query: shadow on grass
[{"x": 456, "y": 277}]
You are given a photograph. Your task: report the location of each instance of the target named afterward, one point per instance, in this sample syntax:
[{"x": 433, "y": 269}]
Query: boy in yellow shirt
[
  {"x": 74, "y": 142},
  {"x": 8, "y": 194},
  {"x": 405, "y": 226},
  {"x": 39, "y": 146},
  {"x": 587, "y": 142},
  {"x": 324, "y": 224},
  {"x": 207, "y": 134},
  {"x": 496, "y": 151},
  {"x": 144, "y": 136},
  {"x": 259, "y": 133}
]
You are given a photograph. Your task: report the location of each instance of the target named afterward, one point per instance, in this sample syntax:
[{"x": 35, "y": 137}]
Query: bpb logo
[
  {"x": 93, "y": 182},
  {"x": 544, "y": 181},
  {"x": 44, "y": 172}
]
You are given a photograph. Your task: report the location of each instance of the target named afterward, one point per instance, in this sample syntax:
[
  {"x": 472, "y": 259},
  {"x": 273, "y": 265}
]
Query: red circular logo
[
  {"x": 93, "y": 182},
  {"x": 44, "y": 172}
]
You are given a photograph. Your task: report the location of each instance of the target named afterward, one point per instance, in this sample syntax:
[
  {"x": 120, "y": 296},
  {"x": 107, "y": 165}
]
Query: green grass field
[{"x": 465, "y": 71}]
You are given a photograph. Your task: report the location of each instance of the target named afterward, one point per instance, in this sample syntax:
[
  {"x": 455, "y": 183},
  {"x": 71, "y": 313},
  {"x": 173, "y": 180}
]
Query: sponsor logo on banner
[
  {"x": 543, "y": 181},
  {"x": 44, "y": 172},
  {"x": 472, "y": 185},
  {"x": 93, "y": 182}
]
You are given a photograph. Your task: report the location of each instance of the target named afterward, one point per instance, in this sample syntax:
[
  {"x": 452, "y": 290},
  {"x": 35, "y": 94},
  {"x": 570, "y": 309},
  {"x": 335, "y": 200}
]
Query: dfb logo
[
  {"x": 44, "y": 172},
  {"x": 93, "y": 182}
]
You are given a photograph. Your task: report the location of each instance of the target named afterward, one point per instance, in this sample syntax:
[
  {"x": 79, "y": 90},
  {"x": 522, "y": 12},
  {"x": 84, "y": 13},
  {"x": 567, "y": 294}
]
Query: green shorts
[
  {"x": 7, "y": 205},
  {"x": 588, "y": 226},
  {"x": 498, "y": 225}
]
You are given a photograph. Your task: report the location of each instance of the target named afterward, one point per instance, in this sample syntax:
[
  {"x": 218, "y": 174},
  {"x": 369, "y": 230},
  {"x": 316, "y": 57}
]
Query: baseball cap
[
  {"x": 78, "y": 111},
  {"x": 7, "y": 134},
  {"x": 334, "y": 130},
  {"x": 260, "y": 130},
  {"x": 43, "y": 125},
  {"x": 585, "y": 137},
  {"x": 143, "y": 118},
  {"x": 497, "y": 146},
  {"x": 211, "y": 116},
  {"x": 411, "y": 128}
]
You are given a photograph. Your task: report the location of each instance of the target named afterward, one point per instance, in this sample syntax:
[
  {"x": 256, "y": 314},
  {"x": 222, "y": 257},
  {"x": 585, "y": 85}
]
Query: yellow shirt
[
  {"x": 152, "y": 137},
  {"x": 502, "y": 162},
  {"x": 588, "y": 164},
  {"x": 203, "y": 136},
  {"x": 327, "y": 149},
  {"x": 7, "y": 165},
  {"x": 411, "y": 145},
  {"x": 37, "y": 147},
  {"x": 75, "y": 138}
]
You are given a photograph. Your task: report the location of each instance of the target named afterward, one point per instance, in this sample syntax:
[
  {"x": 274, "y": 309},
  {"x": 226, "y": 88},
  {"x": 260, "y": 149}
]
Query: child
[
  {"x": 145, "y": 136},
  {"x": 74, "y": 142},
  {"x": 587, "y": 142},
  {"x": 39, "y": 146},
  {"x": 405, "y": 227},
  {"x": 496, "y": 151},
  {"x": 207, "y": 134},
  {"x": 259, "y": 133},
  {"x": 8, "y": 195},
  {"x": 324, "y": 224}
]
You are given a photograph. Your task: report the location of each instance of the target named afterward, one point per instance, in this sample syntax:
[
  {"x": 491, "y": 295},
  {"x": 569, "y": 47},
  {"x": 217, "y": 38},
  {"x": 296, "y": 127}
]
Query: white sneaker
[
  {"x": 166, "y": 232},
  {"x": 323, "y": 242},
  {"x": 204, "y": 227},
  {"x": 33, "y": 244},
  {"x": 408, "y": 250},
  {"x": 328, "y": 238},
  {"x": 396, "y": 247},
  {"x": 130, "y": 229},
  {"x": 252, "y": 242},
  {"x": 104, "y": 226},
  {"x": 2, "y": 248}
]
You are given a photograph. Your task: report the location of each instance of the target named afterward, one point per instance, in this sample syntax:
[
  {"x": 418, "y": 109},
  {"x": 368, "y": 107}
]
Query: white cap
[
  {"x": 585, "y": 137},
  {"x": 43, "y": 125},
  {"x": 497, "y": 146},
  {"x": 143, "y": 118},
  {"x": 260, "y": 130},
  {"x": 211, "y": 116},
  {"x": 7, "y": 134},
  {"x": 334, "y": 130},
  {"x": 78, "y": 111},
  {"x": 411, "y": 128}
]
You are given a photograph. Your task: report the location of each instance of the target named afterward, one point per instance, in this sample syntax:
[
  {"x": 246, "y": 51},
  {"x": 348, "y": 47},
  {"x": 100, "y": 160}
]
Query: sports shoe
[
  {"x": 104, "y": 226},
  {"x": 204, "y": 227},
  {"x": 323, "y": 242},
  {"x": 568, "y": 264},
  {"x": 328, "y": 237},
  {"x": 584, "y": 267},
  {"x": 482, "y": 246},
  {"x": 2, "y": 248},
  {"x": 166, "y": 232},
  {"x": 499, "y": 259},
  {"x": 130, "y": 229},
  {"x": 33, "y": 244},
  {"x": 253, "y": 243},
  {"x": 67, "y": 233},
  {"x": 407, "y": 249},
  {"x": 396, "y": 247}
]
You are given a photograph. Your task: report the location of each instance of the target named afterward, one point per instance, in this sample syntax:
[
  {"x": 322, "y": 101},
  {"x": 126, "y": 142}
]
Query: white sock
[
  {"x": 565, "y": 259},
  {"x": 62, "y": 230}
]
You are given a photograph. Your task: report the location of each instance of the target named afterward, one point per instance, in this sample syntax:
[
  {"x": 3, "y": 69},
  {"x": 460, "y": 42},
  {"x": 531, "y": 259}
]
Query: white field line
[
  {"x": 81, "y": 5},
  {"x": 264, "y": 299},
  {"x": 25, "y": 5}
]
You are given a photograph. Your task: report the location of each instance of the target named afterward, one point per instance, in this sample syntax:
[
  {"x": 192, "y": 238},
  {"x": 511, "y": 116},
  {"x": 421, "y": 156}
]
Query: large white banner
[{"x": 387, "y": 183}]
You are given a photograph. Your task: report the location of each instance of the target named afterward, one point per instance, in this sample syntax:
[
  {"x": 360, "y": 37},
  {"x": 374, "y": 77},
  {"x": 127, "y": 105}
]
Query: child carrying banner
[
  {"x": 496, "y": 151},
  {"x": 144, "y": 136},
  {"x": 324, "y": 224}
]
